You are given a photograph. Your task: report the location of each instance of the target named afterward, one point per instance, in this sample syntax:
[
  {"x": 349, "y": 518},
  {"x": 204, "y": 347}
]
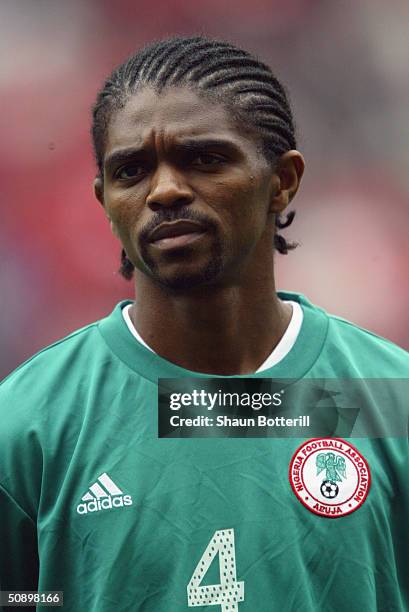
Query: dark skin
[{"x": 209, "y": 305}]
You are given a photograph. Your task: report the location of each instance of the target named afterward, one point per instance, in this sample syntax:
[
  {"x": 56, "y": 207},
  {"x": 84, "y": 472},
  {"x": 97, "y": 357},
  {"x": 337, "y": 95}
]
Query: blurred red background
[{"x": 345, "y": 65}]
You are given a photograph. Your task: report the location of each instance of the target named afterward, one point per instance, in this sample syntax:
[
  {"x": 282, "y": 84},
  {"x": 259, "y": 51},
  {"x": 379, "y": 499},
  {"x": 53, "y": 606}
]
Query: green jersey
[{"x": 93, "y": 503}]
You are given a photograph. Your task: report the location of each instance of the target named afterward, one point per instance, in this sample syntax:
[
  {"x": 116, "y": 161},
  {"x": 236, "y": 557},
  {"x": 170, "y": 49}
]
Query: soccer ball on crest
[{"x": 329, "y": 489}]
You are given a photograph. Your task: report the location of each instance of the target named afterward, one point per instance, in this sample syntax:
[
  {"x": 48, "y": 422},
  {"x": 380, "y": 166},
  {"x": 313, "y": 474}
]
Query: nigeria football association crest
[{"x": 329, "y": 476}]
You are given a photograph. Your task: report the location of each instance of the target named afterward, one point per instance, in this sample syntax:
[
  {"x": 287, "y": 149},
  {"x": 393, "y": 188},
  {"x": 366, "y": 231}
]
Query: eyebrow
[{"x": 186, "y": 146}]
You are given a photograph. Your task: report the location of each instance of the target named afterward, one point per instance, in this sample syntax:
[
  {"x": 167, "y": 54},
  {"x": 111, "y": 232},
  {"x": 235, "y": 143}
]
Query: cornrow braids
[{"x": 239, "y": 81}]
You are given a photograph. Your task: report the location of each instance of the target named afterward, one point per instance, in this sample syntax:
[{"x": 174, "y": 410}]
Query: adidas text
[{"x": 104, "y": 504}]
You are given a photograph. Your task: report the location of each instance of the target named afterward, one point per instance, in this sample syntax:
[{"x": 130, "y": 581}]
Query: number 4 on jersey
[{"x": 229, "y": 592}]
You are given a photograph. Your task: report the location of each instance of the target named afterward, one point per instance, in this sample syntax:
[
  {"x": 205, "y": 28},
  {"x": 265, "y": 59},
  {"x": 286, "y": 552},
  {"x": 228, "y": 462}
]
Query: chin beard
[
  {"x": 179, "y": 283},
  {"x": 183, "y": 282}
]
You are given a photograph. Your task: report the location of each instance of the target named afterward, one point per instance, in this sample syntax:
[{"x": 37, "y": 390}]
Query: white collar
[{"x": 279, "y": 352}]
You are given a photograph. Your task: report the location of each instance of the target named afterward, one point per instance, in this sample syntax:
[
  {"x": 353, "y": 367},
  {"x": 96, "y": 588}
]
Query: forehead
[{"x": 174, "y": 113}]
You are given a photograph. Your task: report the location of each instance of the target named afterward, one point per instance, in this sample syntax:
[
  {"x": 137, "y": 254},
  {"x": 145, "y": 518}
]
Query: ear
[
  {"x": 99, "y": 190},
  {"x": 99, "y": 194},
  {"x": 286, "y": 180}
]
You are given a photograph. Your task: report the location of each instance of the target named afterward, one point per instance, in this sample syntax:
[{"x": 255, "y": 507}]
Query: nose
[{"x": 168, "y": 188}]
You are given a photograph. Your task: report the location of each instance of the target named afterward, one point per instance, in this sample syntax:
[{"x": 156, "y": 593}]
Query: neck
[{"x": 220, "y": 330}]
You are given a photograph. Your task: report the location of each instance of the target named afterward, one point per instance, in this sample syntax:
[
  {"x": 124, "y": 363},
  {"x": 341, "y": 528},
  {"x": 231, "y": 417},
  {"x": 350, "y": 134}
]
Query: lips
[{"x": 175, "y": 229}]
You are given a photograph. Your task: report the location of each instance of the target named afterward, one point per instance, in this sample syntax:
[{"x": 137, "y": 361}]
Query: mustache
[{"x": 180, "y": 214}]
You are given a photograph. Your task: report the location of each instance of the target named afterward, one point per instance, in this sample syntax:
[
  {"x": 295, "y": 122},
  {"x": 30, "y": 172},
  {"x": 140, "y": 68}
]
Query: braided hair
[{"x": 239, "y": 81}]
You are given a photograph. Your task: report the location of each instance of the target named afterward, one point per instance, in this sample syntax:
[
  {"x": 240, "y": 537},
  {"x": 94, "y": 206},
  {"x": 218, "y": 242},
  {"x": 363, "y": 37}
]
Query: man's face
[{"x": 173, "y": 157}]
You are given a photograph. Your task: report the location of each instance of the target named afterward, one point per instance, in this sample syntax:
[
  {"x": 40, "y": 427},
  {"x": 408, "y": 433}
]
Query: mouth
[
  {"x": 176, "y": 234},
  {"x": 177, "y": 241}
]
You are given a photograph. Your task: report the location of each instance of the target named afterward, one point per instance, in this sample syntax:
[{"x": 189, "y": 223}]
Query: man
[{"x": 197, "y": 160}]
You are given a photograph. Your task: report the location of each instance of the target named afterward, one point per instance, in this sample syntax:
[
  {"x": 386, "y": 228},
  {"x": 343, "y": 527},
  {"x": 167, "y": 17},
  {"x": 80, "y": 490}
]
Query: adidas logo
[{"x": 102, "y": 495}]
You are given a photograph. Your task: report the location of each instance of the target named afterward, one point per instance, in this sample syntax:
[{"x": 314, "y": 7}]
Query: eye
[
  {"x": 208, "y": 159},
  {"x": 129, "y": 171}
]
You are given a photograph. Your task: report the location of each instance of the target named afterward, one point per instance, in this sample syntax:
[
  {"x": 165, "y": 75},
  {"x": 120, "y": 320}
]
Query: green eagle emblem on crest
[{"x": 334, "y": 465}]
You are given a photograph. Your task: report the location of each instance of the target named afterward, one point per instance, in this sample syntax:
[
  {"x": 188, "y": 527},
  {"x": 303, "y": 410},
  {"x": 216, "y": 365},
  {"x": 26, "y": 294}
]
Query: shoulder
[
  {"x": 59, "y": 358},
  {"x": 350, "y": 350},
  {"x": 369, "y": 354},
  {"x": 62, "y": 373},
  {"x": 360, "y": 337},
  {"x": 41, "y": 404},
  {"x": 46, "y": 392},
  {"x": 42, "y": 407}
]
